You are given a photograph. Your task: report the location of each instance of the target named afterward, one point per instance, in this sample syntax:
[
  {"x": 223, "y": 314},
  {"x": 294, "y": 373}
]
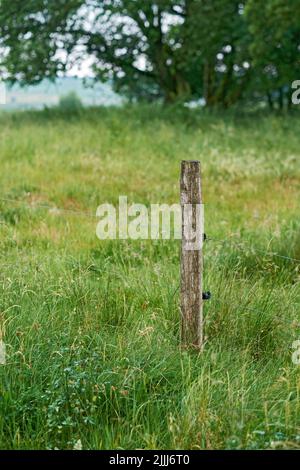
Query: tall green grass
[{"x": 92, "y": 327}]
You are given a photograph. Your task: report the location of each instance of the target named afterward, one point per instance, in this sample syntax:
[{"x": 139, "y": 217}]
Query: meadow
[{"x": 91, "y": 327}]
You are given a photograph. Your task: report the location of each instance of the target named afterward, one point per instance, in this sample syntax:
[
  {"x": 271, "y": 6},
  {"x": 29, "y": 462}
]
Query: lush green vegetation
[
  {"x": 222, "y": 51},
  {"x": 92, "y": 327}
]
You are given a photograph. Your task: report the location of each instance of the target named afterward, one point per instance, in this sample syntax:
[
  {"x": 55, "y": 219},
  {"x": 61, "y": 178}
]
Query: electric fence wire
[
  {"x": 222, "y": 303},
  {"x": 53, "y": 209},
  {"x": 258, "y": 250},
  {"x": 56, "y": 211}
]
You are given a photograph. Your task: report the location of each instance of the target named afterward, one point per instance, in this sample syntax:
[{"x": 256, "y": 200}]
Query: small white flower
[
  {"x": 78, "y": 445},
  {"x": 2, "y": 353},
  {"x": 54, "y": 211}
]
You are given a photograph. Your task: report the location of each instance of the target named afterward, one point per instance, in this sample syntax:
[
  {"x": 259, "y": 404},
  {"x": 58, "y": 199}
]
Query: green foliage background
[{"x": 225, "y": 51}]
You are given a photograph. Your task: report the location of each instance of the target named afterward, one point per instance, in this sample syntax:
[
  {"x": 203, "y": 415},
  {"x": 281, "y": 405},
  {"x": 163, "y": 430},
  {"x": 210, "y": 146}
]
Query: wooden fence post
[{"x": 191, "y": 255}]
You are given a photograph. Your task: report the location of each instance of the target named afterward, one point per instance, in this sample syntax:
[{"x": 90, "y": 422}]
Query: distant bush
[{"x": 70, "y": 102}]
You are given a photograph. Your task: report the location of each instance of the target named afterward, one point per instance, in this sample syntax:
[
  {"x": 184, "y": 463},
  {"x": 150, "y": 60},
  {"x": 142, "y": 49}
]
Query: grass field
[{"x": 92, "y": 327}]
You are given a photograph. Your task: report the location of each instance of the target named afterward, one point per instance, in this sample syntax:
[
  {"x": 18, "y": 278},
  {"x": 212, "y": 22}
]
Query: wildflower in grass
[
  {"x": 146, "y": 331},
  {"x": 78, "y": 445},
  {"x": 2, "y": 353}
]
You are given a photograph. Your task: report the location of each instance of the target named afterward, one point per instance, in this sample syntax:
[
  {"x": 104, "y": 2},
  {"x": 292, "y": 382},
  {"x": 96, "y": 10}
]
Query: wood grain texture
[{"x": 191, "y": 256}]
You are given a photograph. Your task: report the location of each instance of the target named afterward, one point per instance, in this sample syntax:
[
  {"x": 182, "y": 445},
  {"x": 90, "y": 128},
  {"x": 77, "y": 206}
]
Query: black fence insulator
[{"x": 206, "y": 295}]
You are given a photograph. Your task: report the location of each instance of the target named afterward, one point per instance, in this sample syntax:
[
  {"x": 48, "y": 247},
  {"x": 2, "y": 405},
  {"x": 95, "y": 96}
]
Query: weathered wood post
[{"x": 191, "y": 255}]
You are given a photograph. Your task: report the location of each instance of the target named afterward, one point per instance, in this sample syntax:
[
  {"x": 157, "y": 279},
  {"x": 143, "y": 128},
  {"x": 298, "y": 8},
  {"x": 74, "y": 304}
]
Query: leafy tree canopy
[{"x": 222, "y": 50}]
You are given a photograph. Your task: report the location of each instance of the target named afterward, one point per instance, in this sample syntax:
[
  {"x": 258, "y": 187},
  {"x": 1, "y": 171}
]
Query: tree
[
  {"x": 132, "y": 42},
  {"x": 30, "y": 37},
  {"x": 220, "y": 38},
  {"x": 223, "y": 50},
  {"x": 275, "y": 47}
]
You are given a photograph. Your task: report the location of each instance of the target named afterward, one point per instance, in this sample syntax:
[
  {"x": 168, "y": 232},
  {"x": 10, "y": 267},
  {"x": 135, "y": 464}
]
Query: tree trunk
[
  {"x": 280, "y": 99},
  {"x": 208, "y": 84},
  {"x": 177, "y": 89},
  {"x": 270, "y": 101}
]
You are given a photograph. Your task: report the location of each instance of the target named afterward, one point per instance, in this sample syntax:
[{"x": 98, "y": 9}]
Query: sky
[{"x": 82, "y": 71}]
